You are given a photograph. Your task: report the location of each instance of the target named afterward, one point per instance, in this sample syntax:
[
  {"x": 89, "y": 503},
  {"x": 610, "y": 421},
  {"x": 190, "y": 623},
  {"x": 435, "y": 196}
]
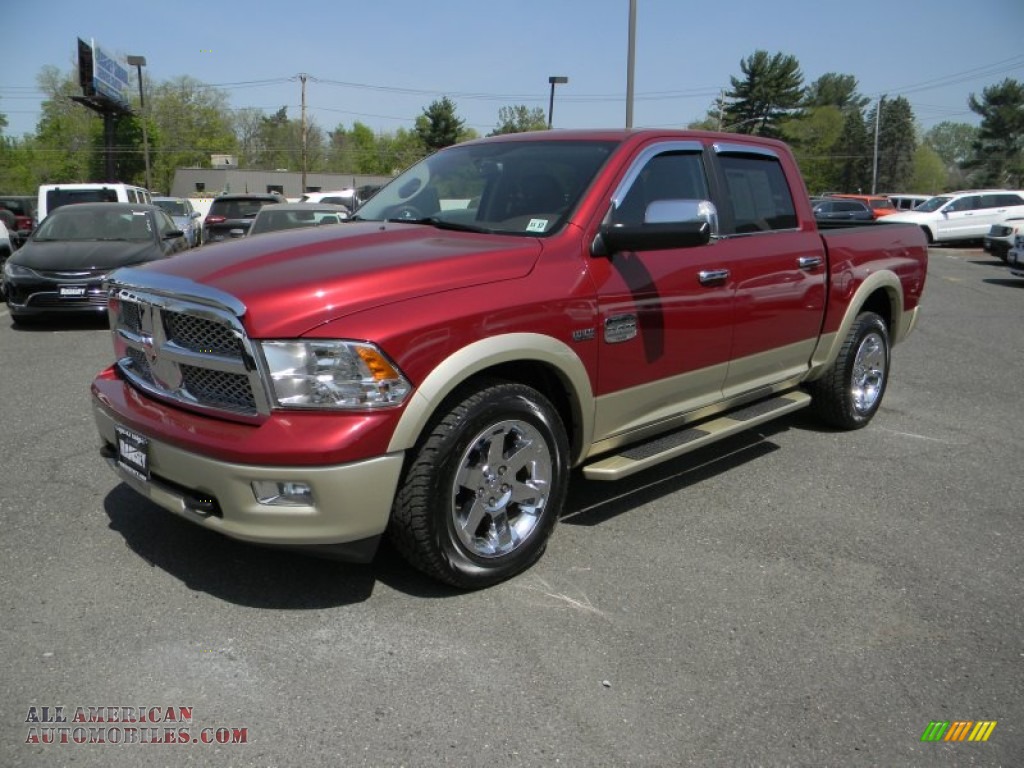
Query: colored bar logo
[{"x": 959, "y": 730}]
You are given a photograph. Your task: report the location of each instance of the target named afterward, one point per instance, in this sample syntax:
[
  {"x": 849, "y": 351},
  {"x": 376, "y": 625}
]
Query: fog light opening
[{"x": 282, "y": 493}]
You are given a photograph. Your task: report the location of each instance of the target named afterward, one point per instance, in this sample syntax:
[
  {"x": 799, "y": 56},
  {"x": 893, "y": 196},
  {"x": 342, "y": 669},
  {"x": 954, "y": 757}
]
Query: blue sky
[{"x": 381, "y": 63}]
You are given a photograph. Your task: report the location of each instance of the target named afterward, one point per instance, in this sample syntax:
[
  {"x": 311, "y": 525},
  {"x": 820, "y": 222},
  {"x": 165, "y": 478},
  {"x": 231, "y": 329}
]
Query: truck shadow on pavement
[
  {"x": 263, "y": 577},
  {"x": 592, "y": 502},
  {"x": 251, "y": 575}
]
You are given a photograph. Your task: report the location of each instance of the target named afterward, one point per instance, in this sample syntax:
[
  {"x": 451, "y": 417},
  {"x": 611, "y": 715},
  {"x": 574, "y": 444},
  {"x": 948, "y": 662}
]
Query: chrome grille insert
[
  {"x": 200, "y": 334},
  {"x": 190, "y": 350}
]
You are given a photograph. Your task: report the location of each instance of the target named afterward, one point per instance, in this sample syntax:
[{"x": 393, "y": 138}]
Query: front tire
[
  {"x": 484, "y": 487},
  {"x": 850, "y": 393}
]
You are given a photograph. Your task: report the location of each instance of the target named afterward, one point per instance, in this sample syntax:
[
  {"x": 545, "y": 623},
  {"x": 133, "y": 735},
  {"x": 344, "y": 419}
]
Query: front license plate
[
  {"x": 133, "y": 453},
  {"x": 72, "y": 291}
]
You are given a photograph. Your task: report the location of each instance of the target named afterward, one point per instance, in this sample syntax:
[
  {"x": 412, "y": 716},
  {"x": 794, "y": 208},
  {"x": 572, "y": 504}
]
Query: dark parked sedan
[
  {"x": 62, "y": 266},
  {"x": 832, "y": 209},
  {"x": 232, "y": 215}
]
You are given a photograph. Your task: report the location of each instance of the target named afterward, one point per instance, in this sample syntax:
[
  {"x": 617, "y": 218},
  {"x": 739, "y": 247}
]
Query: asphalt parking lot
[{"x": 794, "y": 596}]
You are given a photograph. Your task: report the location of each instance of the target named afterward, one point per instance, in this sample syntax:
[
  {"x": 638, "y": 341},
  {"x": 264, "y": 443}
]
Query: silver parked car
[{"x": 184, "y": 214}]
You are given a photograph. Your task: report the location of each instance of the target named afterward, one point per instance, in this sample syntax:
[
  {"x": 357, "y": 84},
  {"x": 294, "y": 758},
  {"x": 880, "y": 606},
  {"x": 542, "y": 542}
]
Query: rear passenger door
[{"x": 778, "y": 269}]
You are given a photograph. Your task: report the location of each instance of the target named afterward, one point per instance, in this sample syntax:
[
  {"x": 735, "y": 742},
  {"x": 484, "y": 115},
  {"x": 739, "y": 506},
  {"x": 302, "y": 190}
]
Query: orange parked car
[{"x": 880, "y": 206}]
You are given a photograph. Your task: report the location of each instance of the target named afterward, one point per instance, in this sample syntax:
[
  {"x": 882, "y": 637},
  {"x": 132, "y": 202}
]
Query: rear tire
[
  {"x": 484, "y": 487},
  {"x": 850, "y": 393}
]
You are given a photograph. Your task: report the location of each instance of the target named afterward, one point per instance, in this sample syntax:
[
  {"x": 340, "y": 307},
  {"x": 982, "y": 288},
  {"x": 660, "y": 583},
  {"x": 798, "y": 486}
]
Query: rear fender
[{"x": 827, "y": 350}]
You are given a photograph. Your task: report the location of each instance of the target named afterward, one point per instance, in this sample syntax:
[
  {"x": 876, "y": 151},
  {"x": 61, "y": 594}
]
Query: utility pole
[
  {"x": 302, "y": 78},
  {"x": 874, "y": 161}
]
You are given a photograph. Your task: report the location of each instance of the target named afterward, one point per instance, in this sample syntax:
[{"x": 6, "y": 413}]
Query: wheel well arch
[
  {"x": 880, "y": 293},
  {"x": 928, "y": 233},
  {"x": 540, "y": 362},
  {"x": 882, "y": 302}
]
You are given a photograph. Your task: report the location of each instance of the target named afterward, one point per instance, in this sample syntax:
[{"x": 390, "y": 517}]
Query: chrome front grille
[
  {"x": 193, "y": 352},
  {"x": 200, "y": 334},
  {"x": 219, "y": 389}
]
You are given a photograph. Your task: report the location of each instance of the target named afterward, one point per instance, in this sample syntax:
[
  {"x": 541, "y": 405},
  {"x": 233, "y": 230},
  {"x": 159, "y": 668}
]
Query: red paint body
[{"x": 421, "y": 294}]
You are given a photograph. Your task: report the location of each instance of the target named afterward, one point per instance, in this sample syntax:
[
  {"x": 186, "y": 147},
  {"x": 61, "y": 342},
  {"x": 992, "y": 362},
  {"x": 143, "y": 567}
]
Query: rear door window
[{"x": 760, "y": 196}]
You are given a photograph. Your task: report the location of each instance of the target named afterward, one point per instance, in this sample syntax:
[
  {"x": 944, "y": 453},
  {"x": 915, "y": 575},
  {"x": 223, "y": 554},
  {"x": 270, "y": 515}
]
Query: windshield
[
  {"x": 73, "y": 224},
  {"x": 511, "y": 187},
  {"x": 173, "y": 207},
  {"x": 933, "y": 203}
]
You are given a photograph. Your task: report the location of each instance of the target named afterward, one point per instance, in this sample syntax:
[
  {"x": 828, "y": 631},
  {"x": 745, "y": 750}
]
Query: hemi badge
[{"x": 619, "y": 328}]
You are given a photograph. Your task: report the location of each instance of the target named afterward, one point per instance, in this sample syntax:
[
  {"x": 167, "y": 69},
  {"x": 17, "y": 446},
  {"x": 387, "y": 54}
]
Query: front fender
[{"x": 477, "y": 358}]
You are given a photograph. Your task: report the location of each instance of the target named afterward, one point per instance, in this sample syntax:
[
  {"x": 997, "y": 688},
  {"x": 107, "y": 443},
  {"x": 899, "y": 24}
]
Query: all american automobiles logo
[{"x": 124, "y": 725}]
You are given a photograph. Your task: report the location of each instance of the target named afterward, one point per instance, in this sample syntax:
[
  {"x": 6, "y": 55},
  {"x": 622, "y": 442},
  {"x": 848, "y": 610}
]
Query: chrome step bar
[{"x": 640, "y": 456}]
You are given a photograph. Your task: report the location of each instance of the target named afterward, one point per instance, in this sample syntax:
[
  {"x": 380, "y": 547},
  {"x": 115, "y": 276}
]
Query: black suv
[
  {"x": 231, "y": 215},
  {"x": 23, "y": 208}
]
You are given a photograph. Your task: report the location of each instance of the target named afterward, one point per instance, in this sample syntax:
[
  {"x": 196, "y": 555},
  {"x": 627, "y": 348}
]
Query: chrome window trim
[
  {"x": 728, "y": 148},
  {"x": 641, "y": 160}
]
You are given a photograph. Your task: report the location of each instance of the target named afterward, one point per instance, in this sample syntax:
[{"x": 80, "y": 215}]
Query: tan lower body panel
[{"x": 351, "y": 502}]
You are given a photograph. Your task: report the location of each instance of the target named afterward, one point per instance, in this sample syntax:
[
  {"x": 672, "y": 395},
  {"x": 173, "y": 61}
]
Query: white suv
[{"x": 966, "y": 215}]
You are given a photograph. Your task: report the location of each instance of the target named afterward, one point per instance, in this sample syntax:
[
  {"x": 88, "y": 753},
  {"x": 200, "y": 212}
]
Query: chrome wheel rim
[
  {"x": 501, "y": 488},
  {"x": 869, "y": 367}
]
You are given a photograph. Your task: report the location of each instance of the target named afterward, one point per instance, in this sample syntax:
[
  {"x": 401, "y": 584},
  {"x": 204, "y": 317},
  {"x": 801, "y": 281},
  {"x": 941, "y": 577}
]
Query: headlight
[
  {"x": 332, "y": 374},
  {"x": 16, "y": 270}
]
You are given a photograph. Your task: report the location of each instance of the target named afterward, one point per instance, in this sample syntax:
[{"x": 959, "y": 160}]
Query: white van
[
  {"x": 904, "y": 202},
  {"x": 52, "y": 196}
]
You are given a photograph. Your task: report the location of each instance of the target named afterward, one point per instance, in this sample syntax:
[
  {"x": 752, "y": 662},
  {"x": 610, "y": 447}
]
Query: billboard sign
[{"x": 102, "y": 74}]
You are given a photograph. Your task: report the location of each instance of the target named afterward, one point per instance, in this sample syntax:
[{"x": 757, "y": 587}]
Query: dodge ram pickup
[{"x": 505, "y": 312}]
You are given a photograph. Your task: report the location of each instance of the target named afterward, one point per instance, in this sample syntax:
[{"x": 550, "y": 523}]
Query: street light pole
[
  {"x": 554, "y": 80},
  {"x": 630, "y": 63},
  {"x": 139, "y": 62}
]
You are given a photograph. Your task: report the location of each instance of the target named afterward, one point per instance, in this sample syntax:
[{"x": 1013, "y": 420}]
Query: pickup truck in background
[{"x": 506, "y": 311}]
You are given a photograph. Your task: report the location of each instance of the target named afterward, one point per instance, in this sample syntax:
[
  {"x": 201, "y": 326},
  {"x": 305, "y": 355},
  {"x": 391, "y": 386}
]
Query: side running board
[{"x": 639, "y": 456}]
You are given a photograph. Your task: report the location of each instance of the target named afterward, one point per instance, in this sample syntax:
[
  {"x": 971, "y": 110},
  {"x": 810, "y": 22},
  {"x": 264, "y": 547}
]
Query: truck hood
[{"x": 291, "y": 282}]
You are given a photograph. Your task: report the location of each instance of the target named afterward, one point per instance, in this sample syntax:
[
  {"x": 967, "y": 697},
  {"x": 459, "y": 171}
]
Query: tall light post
[
  {"x": 630, "y": 63},
  {"x": 874, "y": 159},
  {"x": 139, "y": 62},
  {"x": 554, "y": 80}
]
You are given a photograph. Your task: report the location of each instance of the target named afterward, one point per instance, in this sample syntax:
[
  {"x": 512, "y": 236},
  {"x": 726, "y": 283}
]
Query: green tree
[
  {"x": 439, "y": 126},
  {"x": 897, "y": 143},
  {"x": 814, "y": 138},
  {"x": 520, "y": 119},
  {"x": 189, "y": 122},
  {"x": 853, "y": 151},
  {"x": 930, "y": 173},
  {"x": 770, "y": 91},
  {"x": 832, "y": 89},
  {"x": 66, "y": 133},
  {"x": 999, "y": 148},
  {"x": 953, "y": 143}
]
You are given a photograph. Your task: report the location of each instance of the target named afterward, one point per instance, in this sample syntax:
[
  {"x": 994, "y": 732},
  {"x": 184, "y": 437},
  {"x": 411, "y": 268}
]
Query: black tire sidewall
[
  {"x": 499, "y": 403},
  {"x": 865, "y": 325}
]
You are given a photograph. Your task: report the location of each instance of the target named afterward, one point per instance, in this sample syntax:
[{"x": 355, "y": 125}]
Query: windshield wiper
[
  {"x": 456, "y": 225},
  {"x": 437, "y": 221}
]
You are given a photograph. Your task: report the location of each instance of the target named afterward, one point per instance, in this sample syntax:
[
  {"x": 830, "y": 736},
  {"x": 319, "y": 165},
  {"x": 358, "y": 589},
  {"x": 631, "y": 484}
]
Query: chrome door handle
[
  {"x": 712, "y": 276},
  {"x": 809, "y": 262}
]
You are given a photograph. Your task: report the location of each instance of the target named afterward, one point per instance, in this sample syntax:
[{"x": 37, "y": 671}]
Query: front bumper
[
  {"x": 38, "y": 296},
  {"x": 350, "y": 505}
]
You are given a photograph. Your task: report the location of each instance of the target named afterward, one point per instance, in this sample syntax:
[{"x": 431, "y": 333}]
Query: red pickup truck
[{"x": 503, "y": 312}]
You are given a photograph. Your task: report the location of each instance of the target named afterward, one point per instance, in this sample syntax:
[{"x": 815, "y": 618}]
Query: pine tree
[
  {"x": 439, "y": 126},
  {"x": 999, "y": 148},
  {"x": 771, "y": 90}
]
